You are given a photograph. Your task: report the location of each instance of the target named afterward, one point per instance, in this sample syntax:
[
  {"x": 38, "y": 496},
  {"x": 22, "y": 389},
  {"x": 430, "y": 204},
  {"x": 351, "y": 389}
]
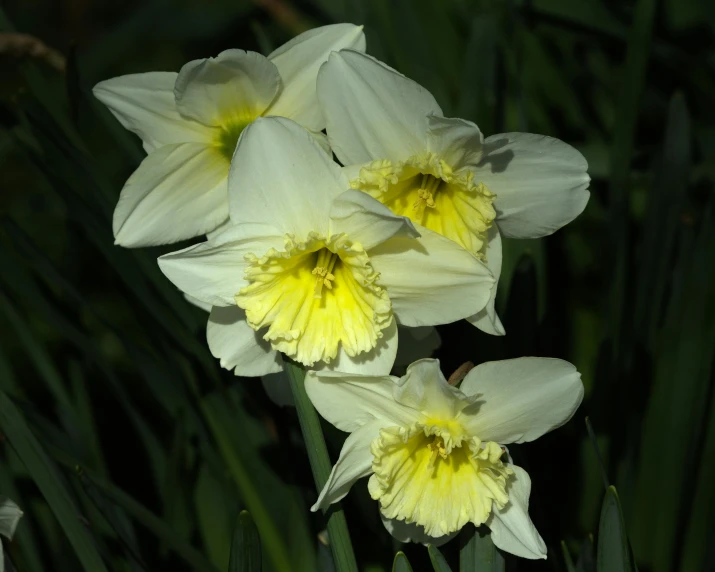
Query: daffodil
[
  {"x": 441, "y": 172},
  {"x": 435, "y": 454},
  {"x": 313, "y": 270},
  {"x": 190, "y": 123}
]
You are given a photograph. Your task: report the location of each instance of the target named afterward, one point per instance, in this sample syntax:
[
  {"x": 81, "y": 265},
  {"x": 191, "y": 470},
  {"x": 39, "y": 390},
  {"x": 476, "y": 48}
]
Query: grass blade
[
  {"x": 401, "y": 564},
  {"x": 246, "y": 546},
  {"x": 439, "y": 563},
  {"x": 48, "y": 480},
  {"x": 479, "y": 552},
  {"x": 614, "y": 554}
]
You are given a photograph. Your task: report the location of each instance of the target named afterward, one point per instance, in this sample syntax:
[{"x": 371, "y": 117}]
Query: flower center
[
  {"x": 228, "y": 135},
  {"x": 427, "y": 475},
  {"x": 314, "y": 297},
  {"x": 427, "y": 190}
]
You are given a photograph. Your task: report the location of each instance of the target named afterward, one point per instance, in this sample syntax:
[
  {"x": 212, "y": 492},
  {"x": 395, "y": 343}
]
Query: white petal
[
  {"x": 379, "y": 361},
  {"x": 234, "y": 86},
  {"x": 178, "y": 192},
  {"x": 349, "y": 401},
  {"x": 540, "y": 183},
  {"x": 372, "y": 111},
  {"x": 355, "y": 462},
  {"x": 144, "y": 104},
  {"x": 404, "y": 532},
  {"x": 198, "y": 303},
  {"x": 280, "y": 175},
  {"x": 423, "y": 388},
  {"x": 521, "y": 399},
  {"x": 431, "y": 280},
  {"x": 238, "y": 347},
  {"x": 487, "y": 319},
  {"x": 456, "y": 141},
  {"x": 212, "y": 271},
  {"x": 367, "y": 221},
  {"x": 512, "y": 529},
  {"x": 277, "y": 388},
  {"x": 298, "y": 62}
]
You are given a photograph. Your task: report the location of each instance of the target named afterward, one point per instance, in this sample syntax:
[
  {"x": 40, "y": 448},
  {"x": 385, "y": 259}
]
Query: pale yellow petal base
[
  {"x": 315, "y": 296},
  {"x": 441, "y": 484},
  {"x": 427, "y": 191}
]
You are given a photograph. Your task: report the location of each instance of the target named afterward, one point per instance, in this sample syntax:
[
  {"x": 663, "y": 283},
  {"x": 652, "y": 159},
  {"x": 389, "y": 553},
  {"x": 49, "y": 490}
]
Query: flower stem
[
  {"x": 478, "y": 552},
  {"x": 338, "y": 534}
]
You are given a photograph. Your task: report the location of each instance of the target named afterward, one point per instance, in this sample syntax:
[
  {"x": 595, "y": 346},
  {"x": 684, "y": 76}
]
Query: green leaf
[
  {"x": 401, "y": 564},
  {"x": 246, "y": 546},
  {"x": 479, "y": 552},
  {"x": 568, "y": 560},
  {"x": 49, "y": 481},
  {"x": 614, "y": 553},
  {"x": 438, "y": 561}
]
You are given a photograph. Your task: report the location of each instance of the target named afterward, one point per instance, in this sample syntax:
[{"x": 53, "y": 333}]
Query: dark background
[{"x": 156, "y": 449}]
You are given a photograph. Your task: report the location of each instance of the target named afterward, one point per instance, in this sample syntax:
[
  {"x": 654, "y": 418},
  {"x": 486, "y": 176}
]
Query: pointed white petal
[
  {"x": 512, "y": 529},
  {"x": 298, "y": 62},
  {"x": 355, "y": 462},
  {"x": 144, "y": 104},
  {"x": 404, "y": 532},
  {"x": 372, "y": 111},
  {"x": 238, "y": 347},
  {"x": 378, "y": 361},
  {"x": 198, "y": 303},
  {"x": 366, "y": 220},
  {"x": 280, "y": 175},
  {"x": 212, "y": 271},
  {"x": 178, "y": 192},
  {"x": 457, "y": 141},
  {"x": 234, "y": 86},
  {"x": 431, "y": 280},
  {"x": 521, "y": 399},
  {"x": 540, "y": 183},
  {"x": 487, "y": 319},
  {"x": 277, "y": 388},
  {"x": 349, "y": 401},
  {"x": 423, "y": 388}
]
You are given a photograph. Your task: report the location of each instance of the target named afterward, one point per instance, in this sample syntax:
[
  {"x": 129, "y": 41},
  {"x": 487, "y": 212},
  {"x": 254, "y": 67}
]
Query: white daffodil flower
[
  {"x": 190, "y": 123},
  {"x": 314, "y": 271},
  {"x": 434, "y": 452},
  {"x": 441, "y": 172}
]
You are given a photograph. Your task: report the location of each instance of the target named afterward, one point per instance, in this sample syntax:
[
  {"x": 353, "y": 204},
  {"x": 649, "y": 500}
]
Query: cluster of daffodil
[{"x": 318, "y": 260}]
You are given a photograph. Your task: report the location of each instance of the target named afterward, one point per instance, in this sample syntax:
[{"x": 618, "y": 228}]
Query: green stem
[
  {"x": 478, "y": 551},
  {"x": 338, "y": 534}
]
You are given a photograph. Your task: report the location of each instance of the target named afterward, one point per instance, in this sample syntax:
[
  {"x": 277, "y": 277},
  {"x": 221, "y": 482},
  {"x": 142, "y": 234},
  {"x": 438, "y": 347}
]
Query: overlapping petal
[
  {"x": 235, "y": 86},
  {"x": 238, "y": 347},
  {"x": 540, "y": 182},
  {"x": 349, "y": 401},
  {"x": 298, "y": 62},
  {"x": 367, "y": 221},
  {"x": 487, "y": 319},
  {"x": 424, "y": 389},
  {"x": 457, "y": 141},
  {"x": 511, "y": 526},
  {"x": 144, "y": 104},
  {"x": 178, "y": 191},
  {"x": 281, "y": 176},
  {"x": 213, "y": 271},
  {"x": 431, "y": 280},
  {"x": 520, "y": 399},
  {"x": 372, "y": 111},
  {"x": 355, "y": 462}
]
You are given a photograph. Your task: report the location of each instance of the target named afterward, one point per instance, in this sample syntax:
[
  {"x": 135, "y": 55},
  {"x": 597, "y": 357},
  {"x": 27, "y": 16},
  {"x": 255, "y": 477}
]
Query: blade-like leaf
[
  {"x": 614, "y": 554},
  {"x": 438, "y": 561},
  {"x": 49, "y": 481},
  {"x": 246, "y": 546},
  {"x": 401, "y": 564}
]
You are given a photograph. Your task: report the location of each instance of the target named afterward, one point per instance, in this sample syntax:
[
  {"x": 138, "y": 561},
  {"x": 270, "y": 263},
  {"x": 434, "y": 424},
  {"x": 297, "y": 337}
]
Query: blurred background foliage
[{"x": 129, "y": 449}]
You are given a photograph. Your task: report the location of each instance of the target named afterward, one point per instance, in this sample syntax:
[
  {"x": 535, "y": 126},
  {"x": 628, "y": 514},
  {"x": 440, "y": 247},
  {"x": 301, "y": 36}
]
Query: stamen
[
  {"x": 436, "y": 447},
  {"x": 426, "y": 192},
  {"x": 323, "y": 272}
]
